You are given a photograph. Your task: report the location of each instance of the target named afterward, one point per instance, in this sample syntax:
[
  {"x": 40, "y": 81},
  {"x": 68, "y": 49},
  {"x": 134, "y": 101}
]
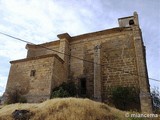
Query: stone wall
[
  {"x": 119, "y": 62},
  {"x": 117, "y": 52},
  {"x": 121, "y": 59},
  {"x": 145, "y": 96},
  {"x": 42, "y": 49},
  {"x": 37, "y": 87},
  {"x": 58, "y": 73}
]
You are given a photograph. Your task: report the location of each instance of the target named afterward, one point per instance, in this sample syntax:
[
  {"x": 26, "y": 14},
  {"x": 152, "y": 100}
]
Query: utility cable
[{"x": 120, "y": 70}]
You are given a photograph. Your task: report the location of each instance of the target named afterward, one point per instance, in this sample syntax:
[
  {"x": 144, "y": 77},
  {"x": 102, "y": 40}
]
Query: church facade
[{"x": 95, "y": 61}]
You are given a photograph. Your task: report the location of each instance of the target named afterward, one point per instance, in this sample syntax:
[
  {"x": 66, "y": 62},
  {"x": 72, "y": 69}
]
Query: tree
[{"x": 155, "y": 93}]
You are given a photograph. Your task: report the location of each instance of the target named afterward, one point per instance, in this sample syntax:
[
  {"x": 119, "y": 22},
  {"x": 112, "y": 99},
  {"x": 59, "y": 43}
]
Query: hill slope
[{"x": 65, "y": 109}]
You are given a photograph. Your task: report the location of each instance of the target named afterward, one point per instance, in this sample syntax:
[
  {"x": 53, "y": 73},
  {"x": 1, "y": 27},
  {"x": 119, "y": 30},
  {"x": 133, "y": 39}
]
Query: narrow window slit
[{"x": 33, "y": 73}]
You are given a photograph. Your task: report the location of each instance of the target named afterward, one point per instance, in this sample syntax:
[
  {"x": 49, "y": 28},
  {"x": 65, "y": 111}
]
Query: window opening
[{"x": 33, "y": 73}]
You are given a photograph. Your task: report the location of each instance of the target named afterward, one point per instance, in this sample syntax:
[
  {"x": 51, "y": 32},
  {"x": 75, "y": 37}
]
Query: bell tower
[{"x": 129, "y": 21}]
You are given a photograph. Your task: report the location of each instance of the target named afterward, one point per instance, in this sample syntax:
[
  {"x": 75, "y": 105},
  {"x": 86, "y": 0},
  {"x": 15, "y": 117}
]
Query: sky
[{"x": 40, "y": 21}]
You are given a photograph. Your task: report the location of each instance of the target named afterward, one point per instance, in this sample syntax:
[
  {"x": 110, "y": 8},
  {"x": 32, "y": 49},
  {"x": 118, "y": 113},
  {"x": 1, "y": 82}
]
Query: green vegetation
[
  {"x": 156, "y": 100},
  {"x": 15, "y": 97},
  {"x": 60, "y": 93},
  {"x": 125, "y": 98},
  {"x": 64, "y": 90}
]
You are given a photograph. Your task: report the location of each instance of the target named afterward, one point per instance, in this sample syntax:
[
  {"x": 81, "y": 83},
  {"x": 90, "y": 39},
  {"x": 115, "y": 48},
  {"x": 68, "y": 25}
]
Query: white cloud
[
  {"x": 11, "y": 48},
  {"x": 40, "y": 21}
]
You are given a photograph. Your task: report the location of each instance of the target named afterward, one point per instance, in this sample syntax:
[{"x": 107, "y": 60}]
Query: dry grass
[{"x": 65, "y": 109}]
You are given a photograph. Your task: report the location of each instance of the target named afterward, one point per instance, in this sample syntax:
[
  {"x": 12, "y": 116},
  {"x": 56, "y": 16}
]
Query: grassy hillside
[{"x": 65, "y": 109}]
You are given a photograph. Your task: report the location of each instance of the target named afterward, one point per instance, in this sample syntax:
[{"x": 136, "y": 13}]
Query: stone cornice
[
  {"x": 103, "y": 32},
  {"x": 37, "y": 57},
  {"x": 78, "y": 37}
]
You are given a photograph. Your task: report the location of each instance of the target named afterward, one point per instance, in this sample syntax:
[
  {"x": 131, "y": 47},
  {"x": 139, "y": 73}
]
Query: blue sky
[{"x": 40, "y": 21}]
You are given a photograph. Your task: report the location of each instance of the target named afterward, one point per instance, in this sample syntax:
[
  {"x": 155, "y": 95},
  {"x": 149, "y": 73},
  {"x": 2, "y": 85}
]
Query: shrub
[
  {"x": 60, "y": 93},
  {"x": 15, "y": 97},
  {"x": 155, "y": 94},
  {"x": 64, "y": 90},
  {"x": 125, "y": 98}
]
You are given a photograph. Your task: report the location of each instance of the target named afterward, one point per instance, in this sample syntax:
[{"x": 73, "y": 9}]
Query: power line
[
  {"x": 46, "y": 48},
  {"x": 22, "y": 40},
  {"x": 16, "y": 38}
]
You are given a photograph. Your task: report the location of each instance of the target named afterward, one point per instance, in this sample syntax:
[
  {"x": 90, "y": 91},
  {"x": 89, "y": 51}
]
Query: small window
[
  {"x": 131, "y": 22},
  {"x": 33, "y": 73}
]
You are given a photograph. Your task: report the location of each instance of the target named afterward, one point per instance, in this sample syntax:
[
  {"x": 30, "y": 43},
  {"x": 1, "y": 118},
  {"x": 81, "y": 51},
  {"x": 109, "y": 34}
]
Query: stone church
[{"x": 96, "y": 61}]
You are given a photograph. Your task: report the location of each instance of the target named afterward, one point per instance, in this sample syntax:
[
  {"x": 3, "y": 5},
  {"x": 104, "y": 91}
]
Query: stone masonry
[{"x": 95, "y": 61}]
